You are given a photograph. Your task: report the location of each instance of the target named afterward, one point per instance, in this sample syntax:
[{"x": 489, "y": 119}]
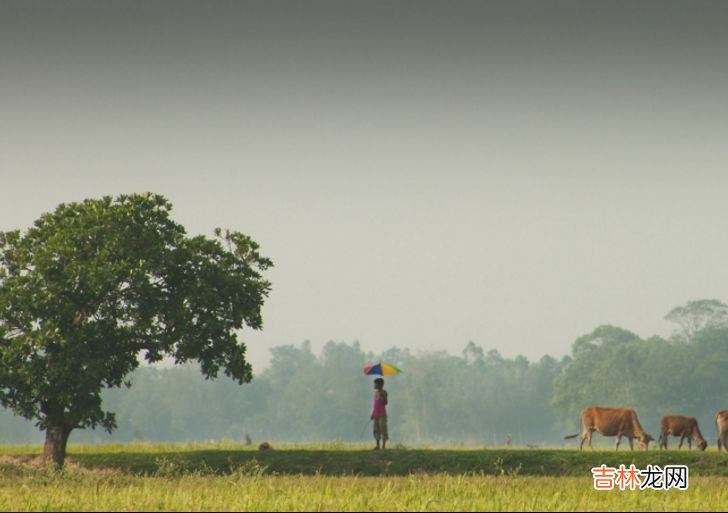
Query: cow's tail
[{"x": 571, "y": 436}]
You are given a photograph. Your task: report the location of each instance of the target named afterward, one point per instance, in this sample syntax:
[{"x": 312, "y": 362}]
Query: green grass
[
  {"x": 336, "y": 477},
  {"x": 345, "y": 460}
]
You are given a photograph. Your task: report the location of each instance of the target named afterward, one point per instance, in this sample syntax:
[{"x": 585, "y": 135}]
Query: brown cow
[
  {"x": 721, "y": 422},
  {"x": 617, "y": 422},
  {"x": 684, "y": 427}
]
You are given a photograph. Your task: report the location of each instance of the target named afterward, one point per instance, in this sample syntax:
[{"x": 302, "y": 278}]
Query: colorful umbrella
[{"x": 381, "y": 369}]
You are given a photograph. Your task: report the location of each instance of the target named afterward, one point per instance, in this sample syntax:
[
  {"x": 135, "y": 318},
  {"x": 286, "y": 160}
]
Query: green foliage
[
  {"x": 303, "y": 397},
  {"x": 475, "y": 398},
  {"x": 657, "y": 377},
  {"x": 699, "y": 315},
  {"x": 94, "y": 285},
  {"x": 605, "y": 363}
]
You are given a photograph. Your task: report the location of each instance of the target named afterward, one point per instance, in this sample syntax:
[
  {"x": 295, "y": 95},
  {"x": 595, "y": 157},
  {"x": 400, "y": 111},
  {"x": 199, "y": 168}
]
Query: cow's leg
[
  {"x": 682, "y": 439},
  {"x": 690, "y": 444},
  {"x": 619, "y": 440},
  {"x": 663, "y": 440}
]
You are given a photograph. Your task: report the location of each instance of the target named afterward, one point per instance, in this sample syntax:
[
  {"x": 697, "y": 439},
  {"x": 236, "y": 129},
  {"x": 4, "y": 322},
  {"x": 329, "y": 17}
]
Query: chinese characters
[{"x": 632, "y": 478}]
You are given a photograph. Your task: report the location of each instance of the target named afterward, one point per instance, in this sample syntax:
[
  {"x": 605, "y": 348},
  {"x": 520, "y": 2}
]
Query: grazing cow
[
  {"x": 721, "y": 422},
  {"x": 617, "y": 422},
  {"x": 684, "y": 427},
  {"x": 265, "y": 446}
]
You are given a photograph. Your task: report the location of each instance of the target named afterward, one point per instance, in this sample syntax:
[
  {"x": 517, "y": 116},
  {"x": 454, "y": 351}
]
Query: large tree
[{"x": 95, "y": 286}]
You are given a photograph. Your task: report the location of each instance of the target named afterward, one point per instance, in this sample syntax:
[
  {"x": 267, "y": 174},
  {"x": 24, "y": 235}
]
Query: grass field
[{"x": 224, "y": 477}]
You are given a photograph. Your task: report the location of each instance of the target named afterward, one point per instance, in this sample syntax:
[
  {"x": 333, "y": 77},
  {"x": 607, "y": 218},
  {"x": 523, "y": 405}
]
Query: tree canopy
[
  {"x": 95, "y": 285},
  {"x": 698, "y": 315}
]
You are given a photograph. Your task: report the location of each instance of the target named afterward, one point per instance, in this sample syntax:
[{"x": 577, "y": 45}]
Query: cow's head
[
  {"x": 645, "y": 440},
  {"x": 702, "y": 445}
]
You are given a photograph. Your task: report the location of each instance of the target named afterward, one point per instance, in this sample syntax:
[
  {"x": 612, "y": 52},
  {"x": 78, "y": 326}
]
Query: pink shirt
[{"x": 380, "y": 404}]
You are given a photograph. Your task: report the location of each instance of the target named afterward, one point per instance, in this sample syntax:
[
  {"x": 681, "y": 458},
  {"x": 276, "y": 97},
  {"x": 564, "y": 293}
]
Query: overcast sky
[{"x": 422, "y": 174}]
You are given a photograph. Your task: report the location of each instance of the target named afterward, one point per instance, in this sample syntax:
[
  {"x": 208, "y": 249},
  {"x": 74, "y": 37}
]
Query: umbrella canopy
[{"x": 381, "y": 369}]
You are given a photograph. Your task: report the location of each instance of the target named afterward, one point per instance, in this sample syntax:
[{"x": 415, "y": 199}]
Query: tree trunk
[{"x": 54, "y": 450}]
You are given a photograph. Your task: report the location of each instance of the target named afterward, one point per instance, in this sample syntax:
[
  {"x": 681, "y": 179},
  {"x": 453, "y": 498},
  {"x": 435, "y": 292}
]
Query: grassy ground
[
  {"x": 348, "y": 460},
  {"x": 226, "y": 477}
]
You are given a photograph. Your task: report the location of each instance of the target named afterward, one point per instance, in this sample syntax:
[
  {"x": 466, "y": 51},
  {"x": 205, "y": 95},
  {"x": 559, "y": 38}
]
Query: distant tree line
[{"x": 477, "y": 397}]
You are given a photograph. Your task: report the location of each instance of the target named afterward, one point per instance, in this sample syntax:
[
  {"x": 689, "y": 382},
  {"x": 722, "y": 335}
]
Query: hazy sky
[{"x": 422, "y": 174}]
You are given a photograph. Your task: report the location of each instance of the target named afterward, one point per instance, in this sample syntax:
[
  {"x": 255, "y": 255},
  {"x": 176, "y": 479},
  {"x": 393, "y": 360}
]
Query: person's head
[{"x": 379, "y": 383}]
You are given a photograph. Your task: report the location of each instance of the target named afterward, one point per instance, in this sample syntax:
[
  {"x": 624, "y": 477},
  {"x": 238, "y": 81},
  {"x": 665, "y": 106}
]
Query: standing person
[{"x": 379, "y": 414}]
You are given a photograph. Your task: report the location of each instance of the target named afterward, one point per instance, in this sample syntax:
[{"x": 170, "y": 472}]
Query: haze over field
[{"x": 422, "y": 174}]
